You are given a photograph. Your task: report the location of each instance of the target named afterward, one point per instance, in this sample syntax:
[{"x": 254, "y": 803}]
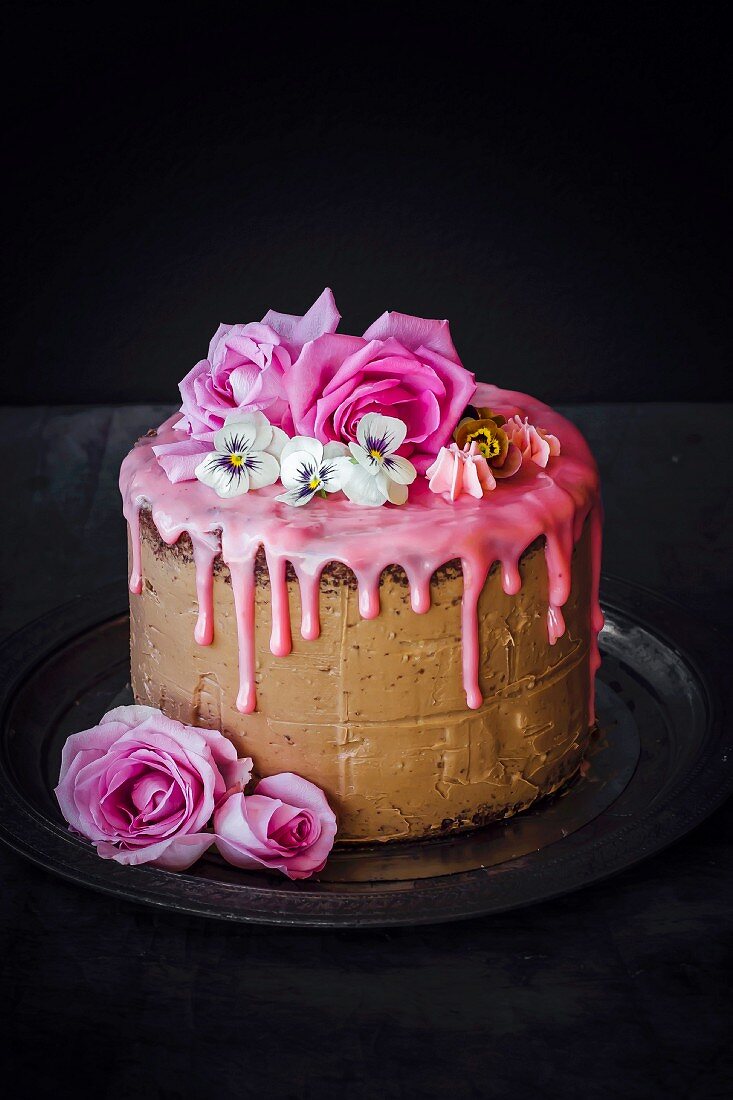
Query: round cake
[{"x": 427, "y": 661}]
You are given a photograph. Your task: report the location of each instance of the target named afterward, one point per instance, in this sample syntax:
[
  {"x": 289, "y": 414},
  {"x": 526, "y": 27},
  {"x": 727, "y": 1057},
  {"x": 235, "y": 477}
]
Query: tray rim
[{"x": 455, "y": 896}]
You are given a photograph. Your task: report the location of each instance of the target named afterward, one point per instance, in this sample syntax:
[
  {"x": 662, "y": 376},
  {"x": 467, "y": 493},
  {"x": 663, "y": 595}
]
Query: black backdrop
[{"x": 550, "y": 180}]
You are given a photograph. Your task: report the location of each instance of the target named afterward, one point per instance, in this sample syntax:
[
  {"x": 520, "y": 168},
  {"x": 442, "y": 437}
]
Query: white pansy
[
  {"x": 378, "y": 474},
  {"x": 307, "y": 468},
  {"x": 245, "y": 455}
]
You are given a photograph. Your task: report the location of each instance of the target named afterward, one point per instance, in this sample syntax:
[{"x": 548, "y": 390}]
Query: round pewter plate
[{"x": 660, "y": 764}]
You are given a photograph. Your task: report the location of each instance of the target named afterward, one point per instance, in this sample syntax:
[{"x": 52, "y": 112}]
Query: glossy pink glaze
[{"x": 420, "y": 536}]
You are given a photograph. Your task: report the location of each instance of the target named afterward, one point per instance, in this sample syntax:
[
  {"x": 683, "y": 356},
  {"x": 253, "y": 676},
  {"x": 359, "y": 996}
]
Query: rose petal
[
  {"x": 414, "y": 332},
  {"x": 322, "y": 317},
  {"x": 308, "y": 377}
]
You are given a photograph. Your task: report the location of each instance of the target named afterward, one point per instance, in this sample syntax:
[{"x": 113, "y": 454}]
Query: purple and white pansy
[
  {"x": 308, "y": 467},
  {"x": 250, "y": 453},
  {"x": 379, "y": 474},
  {"x": 245, "y": 456}
]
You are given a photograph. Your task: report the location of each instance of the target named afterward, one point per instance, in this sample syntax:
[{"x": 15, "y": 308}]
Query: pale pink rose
[
  {"x": 535, "y": 444},
  {"x": 244, "y": 368},
  {"x": 143, "y": 787},
  {"x": 286, "y": 825},
  {"x": 460, "y": 473},
  {"x": 404, "y": 367}
]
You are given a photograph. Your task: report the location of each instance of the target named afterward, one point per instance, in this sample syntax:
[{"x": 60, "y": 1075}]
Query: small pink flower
[
  {"x": 535, "y": 444},
  {"x": 244, "y": 368},
  {"x": 143, "y": 787},
  {"x": 286, "y": 825},
  {"x": 458, "y": 473},
  {"x": 403, "y": 367}
]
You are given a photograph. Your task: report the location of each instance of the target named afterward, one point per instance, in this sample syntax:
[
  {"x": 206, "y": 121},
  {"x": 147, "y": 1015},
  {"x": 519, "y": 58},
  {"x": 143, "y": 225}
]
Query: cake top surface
[
  {"x": 568, "y": 483},
  {"x": 373, "y": 451},
  {"x": 290, "y": 409}
]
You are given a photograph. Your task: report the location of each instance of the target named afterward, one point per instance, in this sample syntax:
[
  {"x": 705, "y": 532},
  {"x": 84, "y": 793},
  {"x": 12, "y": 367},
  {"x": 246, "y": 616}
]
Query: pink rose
[
  {"x": 245, "y": 365},
  {"x": 404, "y": 367},
  {"x": 143, "y": 787},
  {"x": 535, "y": 444},
  {"x": 286, "y": 825}
]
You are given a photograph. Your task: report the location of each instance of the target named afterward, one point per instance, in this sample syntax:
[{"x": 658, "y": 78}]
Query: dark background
[{"x": 548, "y": 177}]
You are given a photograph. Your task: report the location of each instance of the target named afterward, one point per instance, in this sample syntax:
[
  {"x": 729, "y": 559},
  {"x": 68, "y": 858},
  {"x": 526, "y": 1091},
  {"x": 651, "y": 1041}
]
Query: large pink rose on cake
[
  {"x": 244, "y": 368},
  {"x": 143, "y": 787},
  {"x": 404, "y": 367}
]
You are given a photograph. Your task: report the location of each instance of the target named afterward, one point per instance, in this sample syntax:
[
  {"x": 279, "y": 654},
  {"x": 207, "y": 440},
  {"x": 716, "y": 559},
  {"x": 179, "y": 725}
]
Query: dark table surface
[{"x": 618, "y": 990}]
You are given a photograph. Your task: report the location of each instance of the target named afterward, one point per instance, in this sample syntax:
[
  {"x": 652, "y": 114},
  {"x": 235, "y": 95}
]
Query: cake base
[{"x": 374, "y": 710}]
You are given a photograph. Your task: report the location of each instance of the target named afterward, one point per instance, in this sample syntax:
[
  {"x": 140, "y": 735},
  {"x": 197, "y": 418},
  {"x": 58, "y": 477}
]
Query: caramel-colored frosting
[
  {"x": 442, "y": 675},
  {"x": 373, "y": 710}
]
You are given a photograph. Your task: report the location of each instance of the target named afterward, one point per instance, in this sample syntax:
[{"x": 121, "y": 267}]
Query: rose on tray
[{"x": 144, "y": 788}]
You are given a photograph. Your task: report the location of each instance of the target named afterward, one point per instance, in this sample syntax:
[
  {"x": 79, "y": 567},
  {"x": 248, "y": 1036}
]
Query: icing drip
[
  {"x": 419, "y": 581},
  {"x": 243, "y": 587},
  {"x": 596, "y": 615},
  {"x": 281, "y": 641},
  {"x": 310, "y": 616},
  {"x": 131, "y": 512},
  {"x": 203, "y": 556},
  {"x": 474, "y": 576},
  {"x": 369, "y": 592},
  {"x": 424, "y": 534}
]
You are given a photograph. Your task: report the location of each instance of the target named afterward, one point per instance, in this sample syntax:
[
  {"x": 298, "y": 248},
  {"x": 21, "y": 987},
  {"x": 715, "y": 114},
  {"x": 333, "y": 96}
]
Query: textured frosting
[
  {"x": 485, "y": 612},
  {"x": 373, "y": 710}
]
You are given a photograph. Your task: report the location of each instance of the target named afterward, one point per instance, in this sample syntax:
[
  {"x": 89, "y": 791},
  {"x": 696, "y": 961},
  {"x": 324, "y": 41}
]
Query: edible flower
[
  {"x": 143, "y": 787},
  {"x": 245, "y": 456},
  {"x": 486, "y": 431},
  {"x": 244, "y": 369},
  {"x": 403, "y": 366},
  {"x": 535, "y": 444},
  {"x": 286, "y": 825},
  {"x": 378, "y": 474},
  {"x": 457, "y": 472},
  {"x": 307, "y": 468}
]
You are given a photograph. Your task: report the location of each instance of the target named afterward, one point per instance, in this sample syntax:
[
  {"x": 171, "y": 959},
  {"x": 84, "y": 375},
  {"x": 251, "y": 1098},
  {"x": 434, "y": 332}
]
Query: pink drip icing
[
  {"x": 243, "y": 587},
  {"x": 511, "y": 582},
  {"x": 558, "y": 551},
  {"x": 369, "y": 603},
  {"x": 203, "y": 555},
  {"x": 596, "y": 615},
  {"x": 310, "y": 616},
  {"x": 132, "y": 515},
  {"x": 420, "y": 536},
  {"x": 474, "y": 577},
  {"x": 281, "y": 642},
  {"x": 419, "y": 580}
]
